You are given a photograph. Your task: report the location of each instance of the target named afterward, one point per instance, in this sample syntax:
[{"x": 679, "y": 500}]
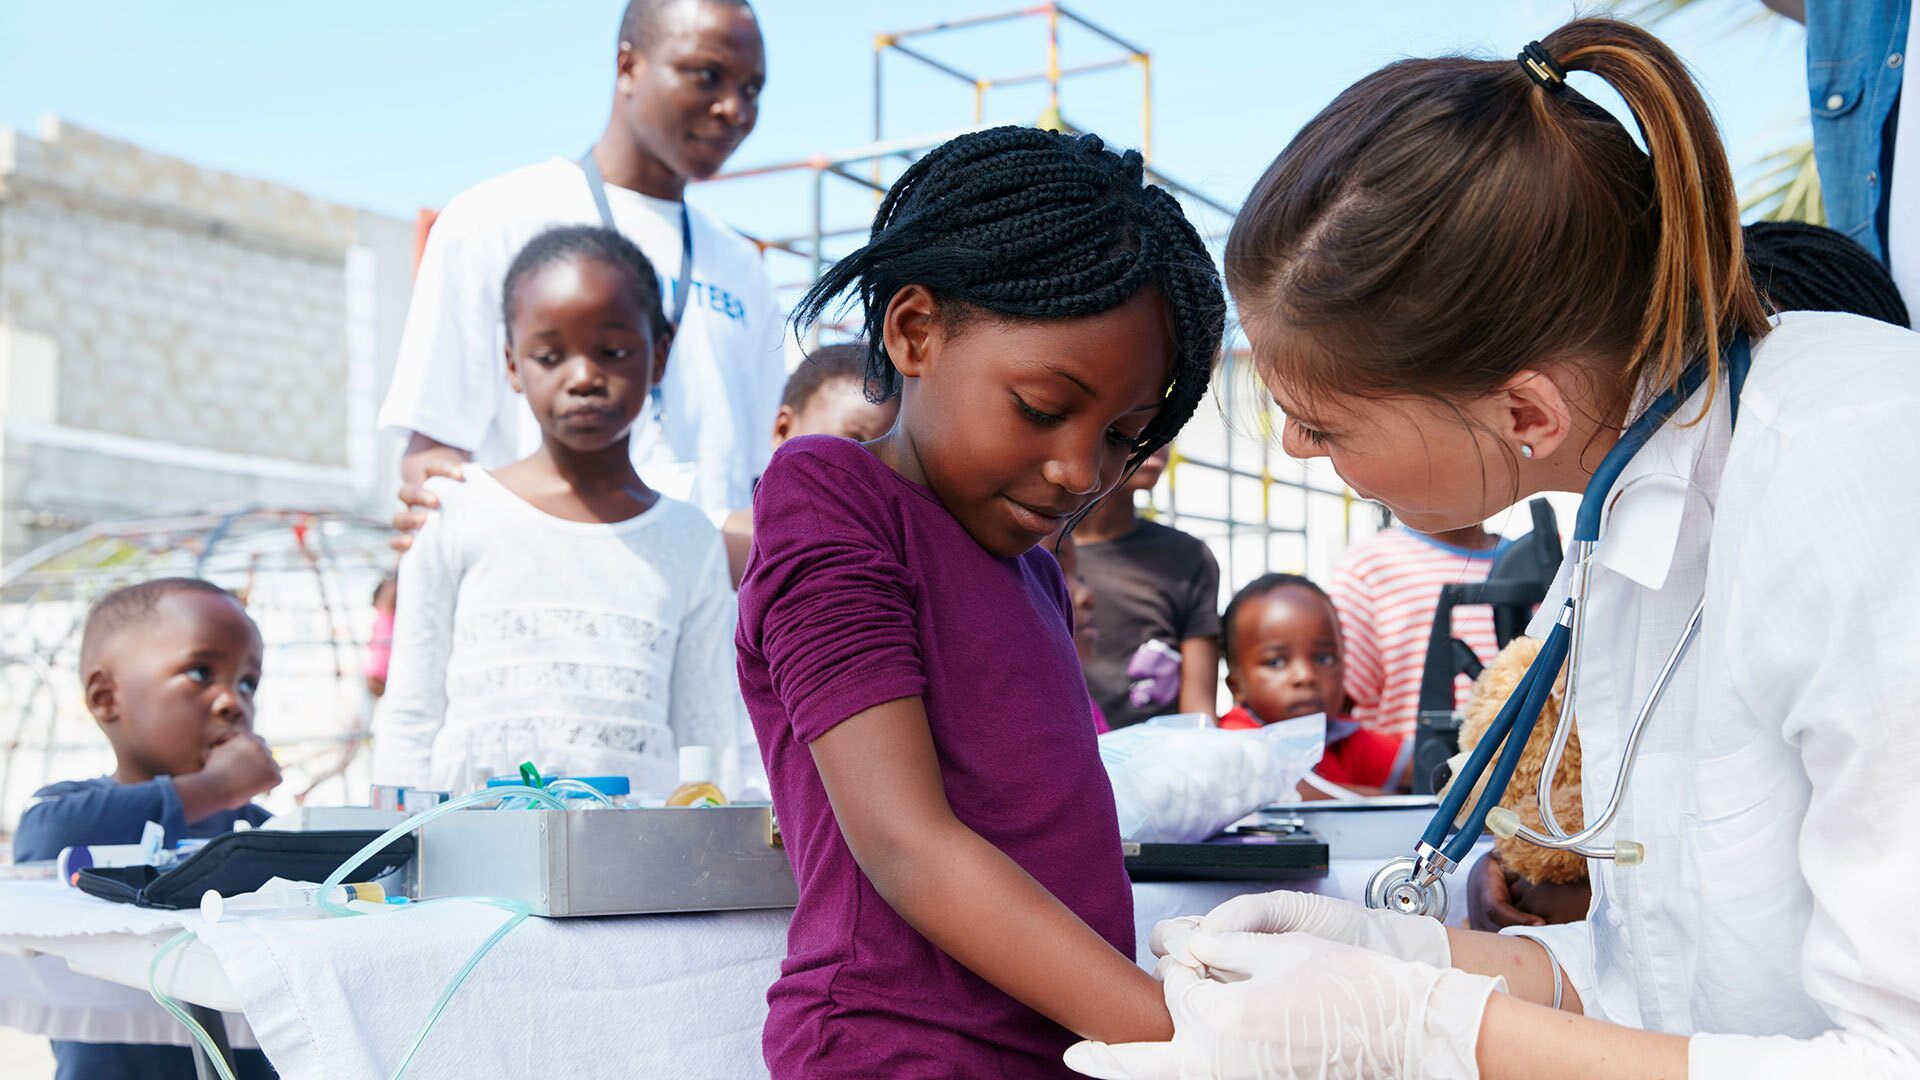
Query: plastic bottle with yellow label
[{"x": 696, "y": 779}]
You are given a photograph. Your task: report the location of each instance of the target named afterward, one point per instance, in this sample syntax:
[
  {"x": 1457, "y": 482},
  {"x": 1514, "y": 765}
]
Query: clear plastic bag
[{"x": 1179, "y": 779}]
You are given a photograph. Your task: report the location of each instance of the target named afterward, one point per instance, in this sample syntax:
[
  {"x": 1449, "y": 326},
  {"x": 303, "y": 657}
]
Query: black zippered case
[{"x": 240, "y": 862}]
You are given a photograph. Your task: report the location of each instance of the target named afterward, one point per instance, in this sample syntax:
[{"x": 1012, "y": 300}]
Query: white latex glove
[
  {"x": 1286, "y": 1006},
  {"x": 1169, "y": 939},
  {"x": 1408, "y": 937}
]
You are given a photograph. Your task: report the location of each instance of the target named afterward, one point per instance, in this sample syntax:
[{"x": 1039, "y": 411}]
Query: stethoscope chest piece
[{"x": 1393, "y": 888}]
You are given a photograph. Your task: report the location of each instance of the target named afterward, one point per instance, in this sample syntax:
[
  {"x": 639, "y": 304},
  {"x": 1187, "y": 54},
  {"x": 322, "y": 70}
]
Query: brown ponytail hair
[{"x": 1447, "y": 223}]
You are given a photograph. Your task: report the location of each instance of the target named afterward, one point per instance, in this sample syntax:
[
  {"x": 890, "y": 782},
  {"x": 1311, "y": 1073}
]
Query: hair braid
[
  {"x": 1802, "y": 267},
  {"x": 1031, "y": 224}
]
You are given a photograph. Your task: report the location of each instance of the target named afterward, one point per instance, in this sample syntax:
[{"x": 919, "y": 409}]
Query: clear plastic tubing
[{"x": 379, "y": 843}]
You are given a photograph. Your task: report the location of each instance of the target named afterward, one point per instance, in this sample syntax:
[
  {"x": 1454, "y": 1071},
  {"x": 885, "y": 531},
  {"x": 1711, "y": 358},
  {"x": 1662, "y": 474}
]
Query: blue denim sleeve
[
  {"x": 1854, "y": 70},
  {"x": 96, "y": 812}
]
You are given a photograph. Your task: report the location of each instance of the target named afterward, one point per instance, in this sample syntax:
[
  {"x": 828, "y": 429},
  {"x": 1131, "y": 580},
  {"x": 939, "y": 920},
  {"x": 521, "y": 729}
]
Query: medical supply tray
[{"x": 610, "y": 862}]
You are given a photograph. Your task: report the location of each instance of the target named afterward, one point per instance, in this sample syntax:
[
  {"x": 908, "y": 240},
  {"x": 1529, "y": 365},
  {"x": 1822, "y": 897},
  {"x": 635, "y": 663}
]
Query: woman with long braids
[{"x": 1048, "y": 321}]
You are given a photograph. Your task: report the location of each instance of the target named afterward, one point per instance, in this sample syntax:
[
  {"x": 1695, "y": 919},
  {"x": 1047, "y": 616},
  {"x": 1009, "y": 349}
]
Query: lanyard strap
[
  {"x": 683, "y": 282},
  {"x": 1737, "y": 360}
]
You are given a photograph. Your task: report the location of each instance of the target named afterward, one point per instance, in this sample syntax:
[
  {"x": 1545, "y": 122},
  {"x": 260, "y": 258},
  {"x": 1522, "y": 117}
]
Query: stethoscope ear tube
[
  {"x": 1540, "y": 678},
  {"x": 1498, "y": 734},
  {"x": 1593, "y": 502}
]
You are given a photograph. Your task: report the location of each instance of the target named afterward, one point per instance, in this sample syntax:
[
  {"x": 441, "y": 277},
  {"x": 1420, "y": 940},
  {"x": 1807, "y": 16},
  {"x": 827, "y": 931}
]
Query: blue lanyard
[
  {"x": 683, "y": 282},
  {"x": 1593, "y": 502}
]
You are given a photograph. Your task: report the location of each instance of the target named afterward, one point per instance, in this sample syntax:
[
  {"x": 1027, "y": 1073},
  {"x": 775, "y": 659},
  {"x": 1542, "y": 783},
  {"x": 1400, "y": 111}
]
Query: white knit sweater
[{"x": 587, "y": 649}]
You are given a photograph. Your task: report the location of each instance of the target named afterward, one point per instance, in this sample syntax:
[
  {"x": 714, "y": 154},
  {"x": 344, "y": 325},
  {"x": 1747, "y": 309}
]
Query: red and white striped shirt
[{"x": 1385, "y": 591}]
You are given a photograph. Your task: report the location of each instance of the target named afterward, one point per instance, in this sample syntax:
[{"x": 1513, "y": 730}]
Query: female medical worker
[{"x": 1461, "y": 282}]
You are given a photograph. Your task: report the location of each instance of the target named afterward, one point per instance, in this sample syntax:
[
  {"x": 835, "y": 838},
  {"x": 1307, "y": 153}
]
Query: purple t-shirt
[{"x": 861, "y": 590}]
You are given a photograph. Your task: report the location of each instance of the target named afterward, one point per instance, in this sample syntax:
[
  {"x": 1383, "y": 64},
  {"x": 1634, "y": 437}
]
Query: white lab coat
[{"x": 1778, "y": 788}]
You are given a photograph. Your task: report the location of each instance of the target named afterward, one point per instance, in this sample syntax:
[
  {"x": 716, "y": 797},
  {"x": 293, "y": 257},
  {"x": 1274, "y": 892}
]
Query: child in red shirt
[{"x": 1281, "y": 639}]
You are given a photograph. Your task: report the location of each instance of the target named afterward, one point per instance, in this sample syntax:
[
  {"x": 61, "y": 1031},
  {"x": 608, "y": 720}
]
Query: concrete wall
[{"x": 172, "y": 335}]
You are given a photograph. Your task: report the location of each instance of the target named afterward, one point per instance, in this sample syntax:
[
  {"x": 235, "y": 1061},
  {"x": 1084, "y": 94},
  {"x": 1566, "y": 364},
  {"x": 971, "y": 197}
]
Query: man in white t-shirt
[{"x": 688, "y": 75}]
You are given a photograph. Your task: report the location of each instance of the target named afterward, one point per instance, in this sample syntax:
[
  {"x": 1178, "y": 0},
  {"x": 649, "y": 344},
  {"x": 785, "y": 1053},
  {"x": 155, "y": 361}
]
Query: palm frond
[{"x": 1786, "y": 187}]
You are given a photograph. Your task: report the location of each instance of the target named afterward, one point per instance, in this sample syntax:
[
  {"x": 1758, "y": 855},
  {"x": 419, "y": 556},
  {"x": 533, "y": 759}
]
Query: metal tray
[{"x": 610, "y": 862}]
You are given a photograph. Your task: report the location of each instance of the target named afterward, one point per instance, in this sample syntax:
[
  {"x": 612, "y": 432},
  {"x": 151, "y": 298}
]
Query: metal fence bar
[
  {"x": 1277, "y": 481},
  {"x": 1088, "y": 25},
  {"x": 1045, "y": 76},
  {"x": 1211, "y": 519},
  {"x": 942, "y": 68},
  {"x": 966, "y": 21}
]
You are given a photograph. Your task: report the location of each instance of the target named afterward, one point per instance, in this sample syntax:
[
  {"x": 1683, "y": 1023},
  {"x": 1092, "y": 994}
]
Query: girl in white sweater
[{"x": 558, "y": 610}]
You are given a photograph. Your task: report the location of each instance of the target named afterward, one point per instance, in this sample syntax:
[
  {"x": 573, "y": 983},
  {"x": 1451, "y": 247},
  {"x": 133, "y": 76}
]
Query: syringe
[{"x": 283, "y": 898}]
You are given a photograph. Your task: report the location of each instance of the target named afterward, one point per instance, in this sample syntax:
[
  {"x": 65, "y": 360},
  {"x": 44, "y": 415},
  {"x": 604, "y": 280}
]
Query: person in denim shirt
[{"x": 1855, "y": 60}]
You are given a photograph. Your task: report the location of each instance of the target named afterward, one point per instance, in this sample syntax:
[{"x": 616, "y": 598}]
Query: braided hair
[
  {"x": 1802, "y": 267},
  {"x": 1028, "y": 224}
]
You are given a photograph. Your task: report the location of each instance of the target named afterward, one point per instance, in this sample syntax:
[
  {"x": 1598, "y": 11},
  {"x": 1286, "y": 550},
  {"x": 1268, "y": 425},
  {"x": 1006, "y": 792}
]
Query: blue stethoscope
[{"x": 1415, "y": 884}]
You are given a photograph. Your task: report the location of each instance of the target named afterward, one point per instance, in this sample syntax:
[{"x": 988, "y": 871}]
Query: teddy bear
[{"x": 1490, "y": 692}]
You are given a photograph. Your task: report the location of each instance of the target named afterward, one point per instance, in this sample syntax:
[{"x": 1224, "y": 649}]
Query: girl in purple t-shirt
[{"x": 1048, "y": 321}]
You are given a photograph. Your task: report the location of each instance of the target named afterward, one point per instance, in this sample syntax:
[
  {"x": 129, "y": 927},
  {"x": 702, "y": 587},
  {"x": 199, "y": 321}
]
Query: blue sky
[{"x": 397, "y": 105}]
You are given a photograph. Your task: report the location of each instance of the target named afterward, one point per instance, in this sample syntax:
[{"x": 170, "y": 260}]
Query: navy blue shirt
[
  {"x": 103, "y": 811},
  {"x": 73, "y": 813}
]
